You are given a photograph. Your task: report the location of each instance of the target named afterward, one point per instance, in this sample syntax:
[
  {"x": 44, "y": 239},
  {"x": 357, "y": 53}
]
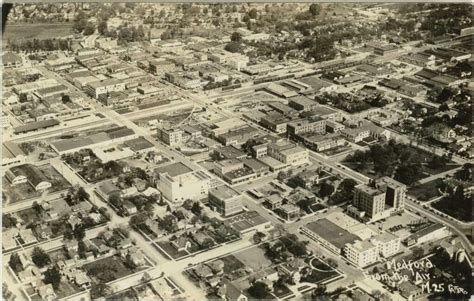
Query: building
[
  {"x": 388, "y": 244},
  {"x": 177, "y": 186},
  {"x": 395, "y": 193},
  {"x": 160, "y": 67},
  {"x": 171, "y": 136},
  {"x": 369, "y": 201},
  {"x": 385, "y": 49},
  {"x": 330, "y": 235},
  {"x": 12, "y": 154},
  {"x": 289, "y": 211},
  {"x": 361, "y": 253},
  {"x": 316, "y": 125},
  {"x": 429, "y": 233},
  {"x": 28, "y": 173},
  {"x": 321, "y": 143},
  {"x": 275, "y": 122},
  {"x": 96, "y": 88},
  {"x": 302, "y": 103},
  {"x": 225, "y": 200},
  {"x": 288, "y": 152},
  {"x": 249, "y": 221}
]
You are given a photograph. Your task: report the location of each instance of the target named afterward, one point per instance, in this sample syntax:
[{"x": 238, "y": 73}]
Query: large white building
[
  {"x": 99, "y": 87},
  {"x": 388, "y": 244},
  {"x": 178, "y": 188},
  {"x": 361, "y": 253},
  {"x": 288, "y": 152}
]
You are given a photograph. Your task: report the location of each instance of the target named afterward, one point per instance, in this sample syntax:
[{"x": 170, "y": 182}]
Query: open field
[{"x": 37, "y": 31}]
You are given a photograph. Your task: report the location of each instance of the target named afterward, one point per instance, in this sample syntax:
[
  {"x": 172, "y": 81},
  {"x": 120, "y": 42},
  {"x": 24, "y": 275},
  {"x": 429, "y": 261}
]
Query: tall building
[
  {"x": 395, "y": 193},
  {"x": 177, "y": 183},
  {"x": 370, "y": 201},
  {"x": 225, "y": 200},
  {"x": 170, "y": 136}
]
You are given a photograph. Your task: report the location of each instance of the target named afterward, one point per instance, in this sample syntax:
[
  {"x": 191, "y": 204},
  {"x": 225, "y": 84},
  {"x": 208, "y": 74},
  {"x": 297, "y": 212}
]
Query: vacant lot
[
  {"x": 108, "y": 269},
  {"x": 254, "y": 258},
  {"x": 37, "y": 31}
]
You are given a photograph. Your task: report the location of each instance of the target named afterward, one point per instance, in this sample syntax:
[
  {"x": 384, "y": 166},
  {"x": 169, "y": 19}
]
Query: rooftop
[
  {"x": 174, "y": 169},
  {"x": 223, "y": 192},
  {"x": 331, "y": 233}
]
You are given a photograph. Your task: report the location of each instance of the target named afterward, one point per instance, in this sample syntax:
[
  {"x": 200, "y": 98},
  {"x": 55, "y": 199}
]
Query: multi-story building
[
  {"x": 96, "y": 88},
  {"x": 361, "y": 253},
  {"x": 170, "y": 136},
  {"x": 370, "y": 202},
  {"x": 259, "y": 151},
  {"x": 395, "y": 193},
  {"x": 288, "y": 152},
  {"x": 387, "y": 243},
  {"x": 225, "y": 200},
  {"x": 177, "y": 188},
  {"x": 316, "y": 125},
  {"x": 160, "y": 67}
]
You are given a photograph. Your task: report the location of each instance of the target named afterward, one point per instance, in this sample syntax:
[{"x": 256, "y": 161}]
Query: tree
[
  {"x": 66, "y": 98},
  {"x": 82, "y": 195},
  {"x": 15, "y": 262},
  {"x": 325, "y": 189},
  {"x": 196, "y": 209},
  {"x": 8, "y": 221},
  {"x": 79, "y": 232},
  {"x": 315, "y": 9},
  {"x": 443, "y": 107},
  {"x": 418, "y": 252},
  {"x": 347, "y": 186},
  {"x": 89, "y": 29},
  {"x": 40, "y": 257},
  {"x": 102, "y": 27},
  {"x": 53, "y": 276},
  {"x": 253, "y": 13},
  {"x": 236, "y": 37},
  {"x": 99, "y": 290},
  {"x": 319, "y": 292},
  {"x": 259, "y": 290},
  {"x": 188, "y": 204},
  {"x": 233, "y": 47}
]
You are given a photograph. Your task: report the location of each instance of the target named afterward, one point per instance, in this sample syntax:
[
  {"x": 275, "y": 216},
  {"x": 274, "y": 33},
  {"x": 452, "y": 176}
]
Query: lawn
[
  {"x": 254, "y": 258},
  {"x": 231, "y": 264},
  {"x": 168, "y": 249},
  {"x": 108, "y": 269},
  {"x": 37, "y": 31},
  {"x": 66, "y": 289},
  {"x": 318, "y": 277},
  {"x": 319, "y": 265},
  {"x": 19, "y": 193},
  {"x": 427, "y": 191}
]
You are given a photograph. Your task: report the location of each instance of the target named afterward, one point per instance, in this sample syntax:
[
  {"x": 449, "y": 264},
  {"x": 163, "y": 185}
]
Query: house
[
  {"x": 82, "y": 280},
  {"x": 181, "y": 243},
  {"x": 108, "y": 188},
  {"x": 410, "y": 291},
  {"x": 233, "y": 293},
  {"x": 46, "y": 292}
]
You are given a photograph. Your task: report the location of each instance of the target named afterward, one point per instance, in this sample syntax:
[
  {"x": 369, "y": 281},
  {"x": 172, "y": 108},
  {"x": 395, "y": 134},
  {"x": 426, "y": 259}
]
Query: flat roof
[
  {"x": 246, "y": 220},
  {"x": 223, "y": 192},
  {"x": 174, "y": 169},
  {"x": 332, "y": 233}
]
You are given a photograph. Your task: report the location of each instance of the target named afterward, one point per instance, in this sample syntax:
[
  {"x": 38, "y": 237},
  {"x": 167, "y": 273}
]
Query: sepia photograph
[{"x": 237, "y": 151}]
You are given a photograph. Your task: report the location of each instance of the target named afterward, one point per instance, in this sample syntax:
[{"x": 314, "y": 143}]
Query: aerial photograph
[{"x": 237, "y": 151}]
